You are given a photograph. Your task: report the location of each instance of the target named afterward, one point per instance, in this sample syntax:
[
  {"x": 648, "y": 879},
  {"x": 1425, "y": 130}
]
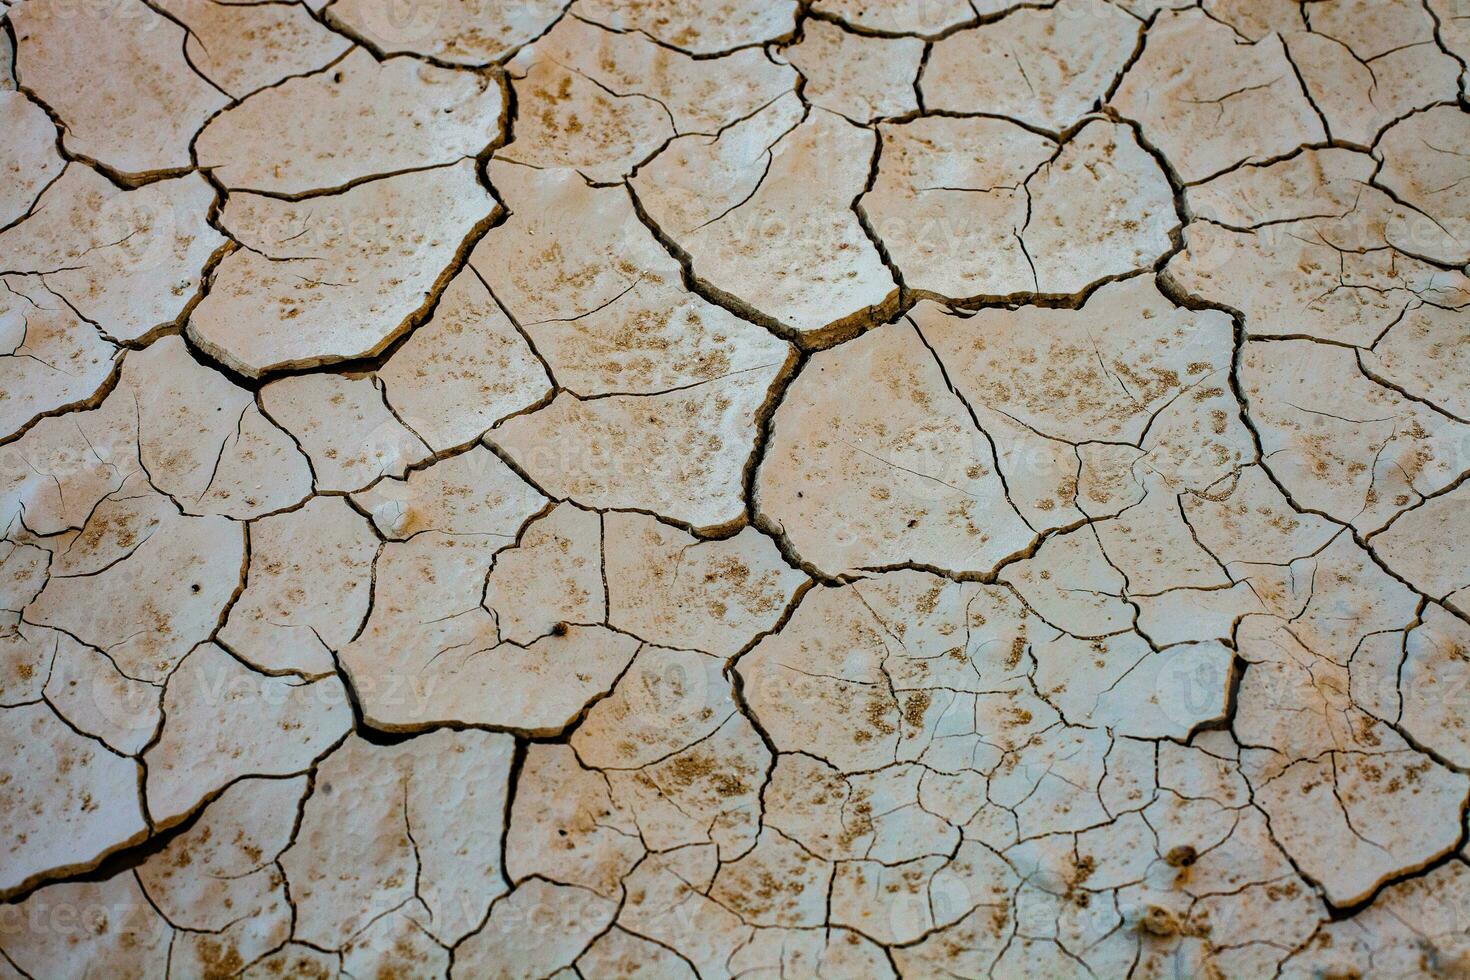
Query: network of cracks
[{"x": 762, "y": 488}]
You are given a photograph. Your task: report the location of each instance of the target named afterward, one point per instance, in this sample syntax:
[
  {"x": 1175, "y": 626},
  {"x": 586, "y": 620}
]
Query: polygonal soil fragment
[
  {"x": 698, "y": 30},
  {"x": 1127, "y": 369},
  {"x": 344, "y": 424},
  {"x": 1070, "y": 582},
  {"x": 564, "y": 920},
  {"x": 600, "y": 298},
  {"x": 551, "y": 578},
  {"x": 66, "y": 800},
  {"x": 29, "y": 161},
  {"x": 1424, "y": 163},
  {"x": 1154, "y": 547},
  {"x": 1347, "y": 797},
  {"x": 130, "y": 262},
  {"x": 170, "y": 423},
  {"x": 472, "y": 34},
  {"x": 340, "y": 277},
  {"x": 1124, "y": 225},
  {"x": 463, "y": 371},
  {"x": 950, "y": 202},
  {"x": 85, "y": 687},
  {"x": 899, "y": 16},
  {"x": 1368, "y": 65},
  {"x": 414, "y": 828},
  {"x": 667, "y": 701},
  {"x": 1307, "y": 246},
  {"x": 397, "y": 114},
  {"x": 919, "y": 479},
  {"x": 117, "y": 76},
  {"x": 1342, "y": 443},
  {"x": 301, "y": 604},
  {"x": 864, "y": 78},
  {"x": 1209, "y": 101},
  {"x": 142, "y": 582},
  {"x": 217, "y": 884},
  {"x": 244, "y": 47},
  {"x": 559, "y": 130},
  {"x": 108, "y": 922},
  {"x": 679, "y": 455},
  {"x": 764, "y": 214},
  {"x": 603, "y": 102},
  {"x": 204, "y": 440},
  {"x": 565, "y": 827},
  {"x": 1430, "y": 547},
  {"x": 1333, "y": 816},
  {"x": 777, "y": 883},
  {"x": 224, "y": 721},
  {"x": 972, "y": 208},
  {"x": 678, "y": 761},
  {"x": 472, "y": 493},
  {"x": 49, "y": 356},
  {"x": 1431, "y": 685},
  {"x": 1043, "y": 67},
  {"x": 1426, "y": 352},
  {"x": 1415, "y": 927},
  {"x": 672, "y": 589},
  {"x": 431, "y": 651}
]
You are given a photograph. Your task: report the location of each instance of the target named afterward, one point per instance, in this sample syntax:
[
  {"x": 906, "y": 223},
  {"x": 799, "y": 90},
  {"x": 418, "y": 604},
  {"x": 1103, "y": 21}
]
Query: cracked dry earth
[{"x": 801, "y": 488}]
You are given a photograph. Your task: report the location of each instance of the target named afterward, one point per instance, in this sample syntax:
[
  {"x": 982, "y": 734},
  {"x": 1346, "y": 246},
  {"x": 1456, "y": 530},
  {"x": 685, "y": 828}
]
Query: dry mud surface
[{"x": 761, "y": 488}]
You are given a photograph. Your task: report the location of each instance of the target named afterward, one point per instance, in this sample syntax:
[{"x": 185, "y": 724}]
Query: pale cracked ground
[{"x": 837, "y": 488}]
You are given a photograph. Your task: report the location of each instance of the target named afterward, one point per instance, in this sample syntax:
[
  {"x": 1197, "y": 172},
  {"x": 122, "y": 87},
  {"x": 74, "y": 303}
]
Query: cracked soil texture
[{"x": 593, "y": 489}]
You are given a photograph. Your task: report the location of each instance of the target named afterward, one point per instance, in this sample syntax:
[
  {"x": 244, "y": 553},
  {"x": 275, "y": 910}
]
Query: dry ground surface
[{"x": 763, "y": 488}]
